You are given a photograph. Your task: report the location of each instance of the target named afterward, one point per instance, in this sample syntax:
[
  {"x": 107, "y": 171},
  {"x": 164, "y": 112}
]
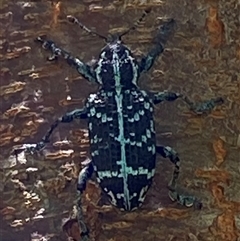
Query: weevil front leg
[
  {"x": 85, "y": 70},
  {"x": 186, "y": 200},
  {"x": 164, "y": 32}
]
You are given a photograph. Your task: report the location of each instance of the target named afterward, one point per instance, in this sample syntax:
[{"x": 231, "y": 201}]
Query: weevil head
[{"x": 116, "y": 66}]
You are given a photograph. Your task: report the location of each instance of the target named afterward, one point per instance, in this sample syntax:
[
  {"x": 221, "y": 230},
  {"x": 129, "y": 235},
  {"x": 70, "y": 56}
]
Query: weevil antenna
[
  {"x": 136, "y": 24},
  {"x": 72, "y": 19}
]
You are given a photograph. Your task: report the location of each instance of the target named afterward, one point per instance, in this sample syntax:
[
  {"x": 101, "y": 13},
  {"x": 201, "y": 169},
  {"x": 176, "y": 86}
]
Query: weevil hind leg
[
  {"x": 84, "y": 231},
  {"x": 74, "y": 226},
  {"x": 185, "y": 200},
  {"x": 83, "y": 176}
]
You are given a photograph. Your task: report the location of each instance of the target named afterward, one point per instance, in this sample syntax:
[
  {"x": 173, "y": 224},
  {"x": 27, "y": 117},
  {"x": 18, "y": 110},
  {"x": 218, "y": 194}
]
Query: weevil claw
[
  {"x": 197, "y": 205},
  {"x": 165, "y": 31},
  {"x": 71, "y": 19},
  {"x": 39, "y": 39}
]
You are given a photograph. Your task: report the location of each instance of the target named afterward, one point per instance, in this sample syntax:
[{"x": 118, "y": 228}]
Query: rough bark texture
[{"x": 201, "y": 61}]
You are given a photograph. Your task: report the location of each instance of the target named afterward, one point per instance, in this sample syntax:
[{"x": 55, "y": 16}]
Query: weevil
[{"x": 120, "y": 120}]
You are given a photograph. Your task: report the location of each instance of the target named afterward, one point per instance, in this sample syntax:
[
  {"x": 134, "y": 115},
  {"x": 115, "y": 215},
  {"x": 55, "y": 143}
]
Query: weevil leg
[
  {"x": 84, "y": 232},
  {"x": 84, "y": 175},
  {"x": 164, "y": 96},
  {"x": 164, "y": 32},
  {"x": 76, "y": 222},
  {"x": 204, "y": 107},
  {"x": 85, "y": 70},
  {"x": 68, "y": 117},
  {"x": 186, "y": 200}
]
